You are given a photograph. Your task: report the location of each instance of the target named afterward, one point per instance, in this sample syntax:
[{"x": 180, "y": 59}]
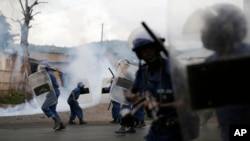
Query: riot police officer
[
  {"x": 122, "y": 68},
  {"x": 224, "y": 31},
  {"x": 75, "y": 109},
  {"x": 51, "y": 110},
  {"x": 153, "y": 80}
]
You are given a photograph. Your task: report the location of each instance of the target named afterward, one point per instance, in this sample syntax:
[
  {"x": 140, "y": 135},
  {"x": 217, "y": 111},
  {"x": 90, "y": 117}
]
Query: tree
[
  {"x": 27, "y": 11},
  {"x": 5, "y": 36}
]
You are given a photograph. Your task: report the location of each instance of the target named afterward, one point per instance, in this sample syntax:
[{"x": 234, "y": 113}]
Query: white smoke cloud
[{"x": 90, "y": 65}]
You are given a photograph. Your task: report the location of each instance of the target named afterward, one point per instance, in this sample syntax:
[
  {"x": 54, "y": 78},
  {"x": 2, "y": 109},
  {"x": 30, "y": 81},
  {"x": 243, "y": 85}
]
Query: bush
[{"x": 16, "y": 98}]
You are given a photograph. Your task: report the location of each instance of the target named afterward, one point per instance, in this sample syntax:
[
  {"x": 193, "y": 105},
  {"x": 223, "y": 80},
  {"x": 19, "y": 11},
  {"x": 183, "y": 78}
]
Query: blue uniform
[
  {"x": 116, "y": 108},
  {"x": 51, "y": 110},
  {"x": 159, "y": 85},
  {"x": 75, "y": 109}
]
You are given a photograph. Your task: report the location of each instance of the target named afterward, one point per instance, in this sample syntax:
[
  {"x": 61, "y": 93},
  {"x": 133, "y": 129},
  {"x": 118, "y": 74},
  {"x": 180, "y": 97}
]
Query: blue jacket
[
  {"x": 158, "y": 84},
  {"x": 54, "y": 82},
  {"x": 74, "y": 98}
]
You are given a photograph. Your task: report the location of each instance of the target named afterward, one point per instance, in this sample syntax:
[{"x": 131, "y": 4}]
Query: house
[{"x": 10, "y": 70}]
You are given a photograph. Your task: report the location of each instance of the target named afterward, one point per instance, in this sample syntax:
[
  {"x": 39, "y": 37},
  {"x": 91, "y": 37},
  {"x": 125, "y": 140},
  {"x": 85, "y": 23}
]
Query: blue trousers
[
  {"x": 116, "y": 108},
  {"x": 75, "y": 110},
  {"x": 51, "y": 111}
]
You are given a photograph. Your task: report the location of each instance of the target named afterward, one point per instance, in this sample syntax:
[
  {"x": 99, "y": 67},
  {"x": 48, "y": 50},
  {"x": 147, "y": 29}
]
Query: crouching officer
[
  {"x": 153, "y": 79},
  {"x": 75, "y": 109}
]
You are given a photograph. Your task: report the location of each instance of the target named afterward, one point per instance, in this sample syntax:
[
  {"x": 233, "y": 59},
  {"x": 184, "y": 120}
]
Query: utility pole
[{"x": 102, "y": 33}]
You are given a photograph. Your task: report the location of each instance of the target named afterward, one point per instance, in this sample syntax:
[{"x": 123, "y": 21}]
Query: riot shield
[
  {"x": 203, "y": 79},
  {"x": 42, "y": 89},
  {"x": 106, "y": 82},
  {"x": 85, "y": 94},
  {"x": 122, "y": 82}
]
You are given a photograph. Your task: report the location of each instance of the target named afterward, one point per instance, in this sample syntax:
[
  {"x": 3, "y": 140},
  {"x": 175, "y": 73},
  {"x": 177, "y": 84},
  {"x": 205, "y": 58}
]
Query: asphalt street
[
  {"x": 93, "y": 131},
  {"x": 87, "y": 132}
]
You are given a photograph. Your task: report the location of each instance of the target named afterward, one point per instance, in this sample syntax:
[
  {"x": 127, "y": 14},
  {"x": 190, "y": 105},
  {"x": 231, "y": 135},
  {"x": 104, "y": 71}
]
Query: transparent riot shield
[
  {"x": 209, "y": 55},
  {"x": 42, "y": 89},
  {"x": 122, "y": 82}
]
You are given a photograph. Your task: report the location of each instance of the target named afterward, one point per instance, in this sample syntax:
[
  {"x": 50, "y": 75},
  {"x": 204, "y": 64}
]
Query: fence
[{"x": 9, "y": 80}]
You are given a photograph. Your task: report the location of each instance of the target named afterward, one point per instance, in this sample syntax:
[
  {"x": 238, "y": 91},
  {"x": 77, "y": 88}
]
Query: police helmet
[
  {"x": 123, "y": 61},
  {"x": 80, "y": 85},
  {"x": 44, "y": 65},
  {"x": 139, "y": 39},
  {"x": 223, "y": 23}
]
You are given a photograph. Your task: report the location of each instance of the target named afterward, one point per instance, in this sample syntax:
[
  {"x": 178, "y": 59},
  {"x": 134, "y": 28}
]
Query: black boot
[
  {"x": 81, "y": 121},
  {"x": 71, "y": 122},
  {"x": 62, "y": 125},
  {"x": 57, "y": 124}
]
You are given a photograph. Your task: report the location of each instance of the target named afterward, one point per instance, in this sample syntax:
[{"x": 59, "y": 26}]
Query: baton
[
  {"x": 150, "y": 32},
  {"x": 111, "y": 72},
  {"x": 111, "y": 82}
]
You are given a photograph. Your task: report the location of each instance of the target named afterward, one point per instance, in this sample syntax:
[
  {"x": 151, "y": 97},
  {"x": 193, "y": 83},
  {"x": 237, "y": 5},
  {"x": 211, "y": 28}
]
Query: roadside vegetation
[{"x": 16, "y": 97}]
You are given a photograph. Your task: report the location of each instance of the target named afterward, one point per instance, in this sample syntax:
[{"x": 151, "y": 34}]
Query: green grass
[{"x": 15, "y": 98}]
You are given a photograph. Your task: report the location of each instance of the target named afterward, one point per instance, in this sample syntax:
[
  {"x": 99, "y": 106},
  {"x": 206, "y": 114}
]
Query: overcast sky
[{"x": 75, "y": 22}]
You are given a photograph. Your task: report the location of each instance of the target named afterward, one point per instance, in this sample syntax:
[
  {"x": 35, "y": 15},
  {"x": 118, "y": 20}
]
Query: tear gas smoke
[{"x": 90, "y": 65}]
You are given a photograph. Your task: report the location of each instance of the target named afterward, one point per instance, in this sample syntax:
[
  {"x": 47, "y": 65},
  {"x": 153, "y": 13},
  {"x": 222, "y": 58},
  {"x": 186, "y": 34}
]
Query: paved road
[
  {"x": 93, "y": 131},
  {"x": 88, "y": 132}
]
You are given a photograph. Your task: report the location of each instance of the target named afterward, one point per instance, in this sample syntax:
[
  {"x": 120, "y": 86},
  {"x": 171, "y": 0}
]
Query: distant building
[{"x": 10, "y": 71}]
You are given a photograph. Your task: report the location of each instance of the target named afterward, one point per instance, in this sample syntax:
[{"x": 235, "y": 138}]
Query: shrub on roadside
[{"x": 16, "y": 97}]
